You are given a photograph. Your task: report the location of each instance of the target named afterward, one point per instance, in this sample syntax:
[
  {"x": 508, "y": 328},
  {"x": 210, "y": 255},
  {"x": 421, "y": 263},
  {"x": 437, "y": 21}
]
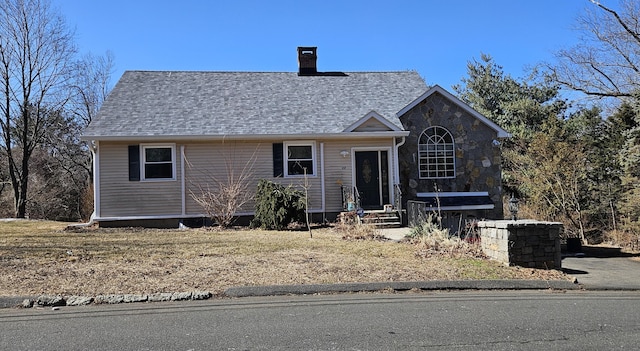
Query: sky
[{"x": 436, "y": 38}]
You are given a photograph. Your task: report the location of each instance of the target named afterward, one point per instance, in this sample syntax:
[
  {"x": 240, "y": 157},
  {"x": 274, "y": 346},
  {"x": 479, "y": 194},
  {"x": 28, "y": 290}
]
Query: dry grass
[{"x": 39, "y": 257}]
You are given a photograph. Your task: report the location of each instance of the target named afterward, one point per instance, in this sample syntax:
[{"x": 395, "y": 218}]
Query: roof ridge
[{"x": 255, "y": 72}]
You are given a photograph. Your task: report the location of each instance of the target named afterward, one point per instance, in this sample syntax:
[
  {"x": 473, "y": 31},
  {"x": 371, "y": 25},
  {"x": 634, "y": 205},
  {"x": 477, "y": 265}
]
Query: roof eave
[
  {"x": 501, "y": 133},
  {"x": 350, "y": 135},
  {"x": 375, "y": 115}
]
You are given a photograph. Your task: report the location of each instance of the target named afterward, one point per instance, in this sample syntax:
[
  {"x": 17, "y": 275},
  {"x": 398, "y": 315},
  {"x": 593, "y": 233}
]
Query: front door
[{"x": 372, "y": 178}]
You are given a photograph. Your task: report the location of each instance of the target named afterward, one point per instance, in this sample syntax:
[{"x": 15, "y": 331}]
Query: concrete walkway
[{"x": 395, "y": 234}]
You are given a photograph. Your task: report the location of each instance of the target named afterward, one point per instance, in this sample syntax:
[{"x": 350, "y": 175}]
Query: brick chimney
[{"x": 307, "y": 59}]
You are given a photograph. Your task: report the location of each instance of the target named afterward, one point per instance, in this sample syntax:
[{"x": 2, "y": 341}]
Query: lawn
[{"x": 40, "y": 257}]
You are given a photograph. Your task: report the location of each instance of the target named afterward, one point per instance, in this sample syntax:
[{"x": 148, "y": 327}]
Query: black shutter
[
  {"x": 134, "y": 162},
  {"x": 278, "y": 160}
]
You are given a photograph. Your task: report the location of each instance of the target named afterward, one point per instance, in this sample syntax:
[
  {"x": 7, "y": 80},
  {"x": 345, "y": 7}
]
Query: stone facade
[
  {"x": 477, "y": 155},
  {"x": 523, "y": 243}
]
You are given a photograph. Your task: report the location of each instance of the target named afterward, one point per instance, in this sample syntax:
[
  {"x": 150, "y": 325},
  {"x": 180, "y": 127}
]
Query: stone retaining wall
[{"x": 525, "y": 243}]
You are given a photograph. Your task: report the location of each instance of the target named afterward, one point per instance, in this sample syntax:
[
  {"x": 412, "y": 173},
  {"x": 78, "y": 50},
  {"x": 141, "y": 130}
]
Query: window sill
[
  {"x": 156, "y": 180},
  {"x": 300, "y": 176}
]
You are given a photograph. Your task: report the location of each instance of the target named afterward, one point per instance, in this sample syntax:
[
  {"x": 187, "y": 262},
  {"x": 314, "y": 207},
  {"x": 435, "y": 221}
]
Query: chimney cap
[
  {"x": 307, "y": 50},
  {"x": 307, "y": 59}
]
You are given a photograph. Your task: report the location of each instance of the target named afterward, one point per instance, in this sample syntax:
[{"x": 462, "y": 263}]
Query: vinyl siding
[
  {"x": 206, "y": 162},
  {"x": 339, "y": 169},
  {"x": 372, "y": 125},
  {"x": 120, "y": 197}
]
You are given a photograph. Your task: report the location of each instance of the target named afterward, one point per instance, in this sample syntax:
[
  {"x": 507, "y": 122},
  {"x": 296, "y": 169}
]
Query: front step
[{"x": 382, "y": 218}]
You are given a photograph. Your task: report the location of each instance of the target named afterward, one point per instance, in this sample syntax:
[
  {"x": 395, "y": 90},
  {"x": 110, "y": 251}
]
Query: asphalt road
[{"x": 472, "y": 320}]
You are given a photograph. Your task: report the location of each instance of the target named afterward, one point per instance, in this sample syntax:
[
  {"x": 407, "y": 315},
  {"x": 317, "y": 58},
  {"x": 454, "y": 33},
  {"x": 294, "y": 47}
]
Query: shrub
[
  {"x": 626, "y": 239},
  {"x": 432, "y": 239},
  {"x": 277, "y": 206},
  {"x": 429, "y": 233},
  {"x": 351, "y": 227},
  {"x": 222, "y": 196}
]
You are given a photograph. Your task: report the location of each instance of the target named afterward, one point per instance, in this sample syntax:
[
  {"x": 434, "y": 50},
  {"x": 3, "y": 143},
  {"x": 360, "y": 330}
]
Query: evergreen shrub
[{"x": 277, "y": 206}]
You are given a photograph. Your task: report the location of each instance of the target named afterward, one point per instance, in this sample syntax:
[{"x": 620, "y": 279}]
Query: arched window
[{"x": 436, "y": 154}]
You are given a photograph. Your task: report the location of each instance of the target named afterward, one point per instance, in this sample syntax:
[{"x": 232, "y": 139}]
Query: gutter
[
  {"x": 322, "y": 183},
  {"x": 183, "y": 182},
  {"x": 396, "y": 173},
  {"x": 350, "y": 136}
]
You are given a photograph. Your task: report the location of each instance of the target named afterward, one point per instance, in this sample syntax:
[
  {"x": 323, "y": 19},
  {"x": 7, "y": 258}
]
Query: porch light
[
  {"x": 513, "y": 207},
  {"x": 344, "y": 153}
]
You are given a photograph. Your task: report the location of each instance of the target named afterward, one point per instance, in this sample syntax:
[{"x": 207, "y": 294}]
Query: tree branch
[{"x": 619, "y": 20}]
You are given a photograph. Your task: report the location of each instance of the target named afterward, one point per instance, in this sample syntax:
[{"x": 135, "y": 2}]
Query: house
[{"x": 367, "y": 137}]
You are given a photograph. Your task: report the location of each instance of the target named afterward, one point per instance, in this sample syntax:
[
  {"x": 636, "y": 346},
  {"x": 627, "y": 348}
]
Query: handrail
[
  {"x": 350, "y": 196},
  {"x": 345, "y": 197}
]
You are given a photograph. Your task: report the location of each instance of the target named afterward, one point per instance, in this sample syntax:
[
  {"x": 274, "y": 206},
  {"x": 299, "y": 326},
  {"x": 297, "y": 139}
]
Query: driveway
[{"x": 604, "y": 268}]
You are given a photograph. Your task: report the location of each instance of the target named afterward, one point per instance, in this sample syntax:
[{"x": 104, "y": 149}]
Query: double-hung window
[
  {"x": 158, "y": 162},
  {"x": 436, "y": 150},
  {"x": 299, "y": 158}
]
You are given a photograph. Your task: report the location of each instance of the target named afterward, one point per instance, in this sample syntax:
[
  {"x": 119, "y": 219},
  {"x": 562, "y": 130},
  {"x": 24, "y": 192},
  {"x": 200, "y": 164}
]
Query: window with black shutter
[
  {"x": 152, "y": 162},
  {"x": 134, "y": 163},
  {"x": 278, "y": 160}
]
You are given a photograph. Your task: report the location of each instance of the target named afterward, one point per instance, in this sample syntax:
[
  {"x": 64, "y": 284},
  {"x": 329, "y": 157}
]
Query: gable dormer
[{"x": 372, "y": 122}]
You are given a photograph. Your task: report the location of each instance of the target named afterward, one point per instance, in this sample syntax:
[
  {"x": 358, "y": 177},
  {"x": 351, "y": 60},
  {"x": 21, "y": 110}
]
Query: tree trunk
[
  {"x": 21, "y": 202},
  {"x": 20, "y": 190}
]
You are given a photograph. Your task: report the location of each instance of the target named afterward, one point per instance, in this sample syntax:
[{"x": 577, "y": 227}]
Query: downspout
[
  {"x": 183, "y": 182},
  {"x": 322, "y": 184},
  {"x": 96, "y": 179},
  {"x": 93, "y": 145},
  {"x": 396, "y": 168},
  {"x": 396, "y": 176}
]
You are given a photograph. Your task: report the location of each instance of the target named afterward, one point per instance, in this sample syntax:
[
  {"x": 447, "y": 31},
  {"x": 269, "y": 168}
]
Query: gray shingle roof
[{"x": 147, "y": 104}]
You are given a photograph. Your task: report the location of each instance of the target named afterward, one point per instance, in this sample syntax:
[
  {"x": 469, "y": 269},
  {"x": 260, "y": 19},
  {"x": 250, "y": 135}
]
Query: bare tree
[
  {"x": 68, "y": 184},
  {"x": 606, "y": 63},
  {"x": 221, "y": 197},
  {"x": 36, "y": 52},
  {"x": 91, "y": 85},
  {"x": 550, "y": 171},
  {"x": 4, "y": 177}
]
